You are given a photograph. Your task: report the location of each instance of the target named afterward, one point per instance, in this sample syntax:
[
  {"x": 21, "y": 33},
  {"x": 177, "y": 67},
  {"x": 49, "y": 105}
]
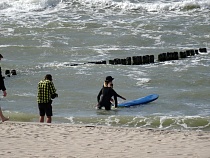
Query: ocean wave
[
  {"x": 27, "y": 5},
  {"x": 153, "y": 6},
  {"x": 155, "y": 122},
  {"x": 157, "y": 6},
  {"x": 112, "y": 5}
]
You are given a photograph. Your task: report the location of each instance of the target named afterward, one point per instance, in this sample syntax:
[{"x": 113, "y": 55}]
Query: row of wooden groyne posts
[
  {"x": 139, "y": 60},
  {"x": 148, "y": 59}
]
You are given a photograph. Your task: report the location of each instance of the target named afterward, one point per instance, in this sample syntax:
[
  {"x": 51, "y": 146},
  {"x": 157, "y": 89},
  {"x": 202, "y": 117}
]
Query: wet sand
[{"x": 69, "y": 141}]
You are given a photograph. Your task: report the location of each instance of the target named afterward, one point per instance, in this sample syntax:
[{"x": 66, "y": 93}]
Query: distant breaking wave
[
  {"x": 27, "y": 5},
  {"x": 157, "y": 6},
  {"x": 123, "y": 6}
]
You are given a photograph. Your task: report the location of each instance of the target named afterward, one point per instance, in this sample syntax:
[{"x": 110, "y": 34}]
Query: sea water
[{"x": 38, "y": 37}]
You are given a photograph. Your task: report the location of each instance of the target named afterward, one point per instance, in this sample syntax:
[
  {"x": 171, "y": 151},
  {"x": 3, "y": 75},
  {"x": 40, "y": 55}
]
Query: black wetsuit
[
  {"x": 104, "y": 101},
  {"x": 2, "y": 86}
]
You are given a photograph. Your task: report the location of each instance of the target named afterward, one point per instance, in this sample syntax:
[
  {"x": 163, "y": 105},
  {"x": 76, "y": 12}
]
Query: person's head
[
  {"x": 48, "y": 77},
  {"x": 109, "y": 79}
]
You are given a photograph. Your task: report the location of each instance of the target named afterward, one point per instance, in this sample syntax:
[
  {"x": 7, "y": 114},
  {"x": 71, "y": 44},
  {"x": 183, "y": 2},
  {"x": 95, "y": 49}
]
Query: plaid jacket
[{"x": 45, "y": 90}]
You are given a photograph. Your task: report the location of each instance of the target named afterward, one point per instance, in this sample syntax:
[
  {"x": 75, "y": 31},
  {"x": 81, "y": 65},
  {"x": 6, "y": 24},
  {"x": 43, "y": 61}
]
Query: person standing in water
[
  {"x": 3, "y": 88},
  {"x": 46, "y": 92},
  {"x": 106, "y": 93}
]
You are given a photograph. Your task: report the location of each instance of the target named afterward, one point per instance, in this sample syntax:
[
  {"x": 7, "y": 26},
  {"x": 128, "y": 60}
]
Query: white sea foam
[
  {"x": 71, "y": 119},
  {"x": 180, "y": 69},
  {"x": 142, "y": 81},
  {"x": 25, "y": 94},
  {"x": 27, "y": 5},
  {"x": 145, "y": 6},
  {"x": 157, "y": 6}
]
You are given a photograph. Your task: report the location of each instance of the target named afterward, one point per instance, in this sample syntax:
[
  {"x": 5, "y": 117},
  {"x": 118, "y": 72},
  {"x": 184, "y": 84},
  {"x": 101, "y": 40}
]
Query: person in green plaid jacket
[{"x": 46, "y": 92}]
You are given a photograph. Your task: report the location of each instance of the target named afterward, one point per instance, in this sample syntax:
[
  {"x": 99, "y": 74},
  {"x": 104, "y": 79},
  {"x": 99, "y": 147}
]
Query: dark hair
[
  {"x": 109, "y": 79},
  {"x": 48, "y": 77}
]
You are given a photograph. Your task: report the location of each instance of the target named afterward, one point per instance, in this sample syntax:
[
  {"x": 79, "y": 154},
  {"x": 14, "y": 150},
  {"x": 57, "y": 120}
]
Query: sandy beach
[{"x": 77, "y": 141}]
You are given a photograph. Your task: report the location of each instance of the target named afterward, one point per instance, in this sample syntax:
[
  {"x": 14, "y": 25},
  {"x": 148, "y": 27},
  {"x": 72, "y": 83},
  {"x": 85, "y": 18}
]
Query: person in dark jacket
[
  {"x": 3, "y": 88},
  {"x": 106, "y": 93}
]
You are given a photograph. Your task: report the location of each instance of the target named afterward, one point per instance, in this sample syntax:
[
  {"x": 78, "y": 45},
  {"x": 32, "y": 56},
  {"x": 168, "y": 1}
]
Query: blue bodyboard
[{"x": 139, "y": 101}]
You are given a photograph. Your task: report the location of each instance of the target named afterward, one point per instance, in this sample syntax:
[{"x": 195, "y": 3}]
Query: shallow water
[{"x": 47, "y": 36}]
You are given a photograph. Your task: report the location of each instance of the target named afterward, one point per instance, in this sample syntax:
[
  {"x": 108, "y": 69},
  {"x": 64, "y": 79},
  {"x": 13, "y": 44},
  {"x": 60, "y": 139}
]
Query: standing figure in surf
[
  {"x": 46, "y": 92},
  {"x": 3, "y": 88},
  {"x": 106, "y": 93}
]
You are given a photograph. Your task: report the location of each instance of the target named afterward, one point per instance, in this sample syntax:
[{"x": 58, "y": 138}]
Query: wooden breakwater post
[
  {"x": 117, "y": 61},
  {"x": 183, "y": 54},
  {"x": 203, "y": 50},
  {"x": 137, "y": 60},
  {"x": 13, "y": 72},
  {"x": 196, "y": 51},
  {"x": 128, "y": 61},
  {"x": 190, "y": 52},
  {"x": 123, "y": 61},
  {"x": 7, "y": 73},
  {"x": 111, "y": 62},
  {"x": 162, "y": 57},
  {"x": 172, "y": 56},
  {"x": 145, "y": 59},
  {"x": 151, "y": 59}
]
